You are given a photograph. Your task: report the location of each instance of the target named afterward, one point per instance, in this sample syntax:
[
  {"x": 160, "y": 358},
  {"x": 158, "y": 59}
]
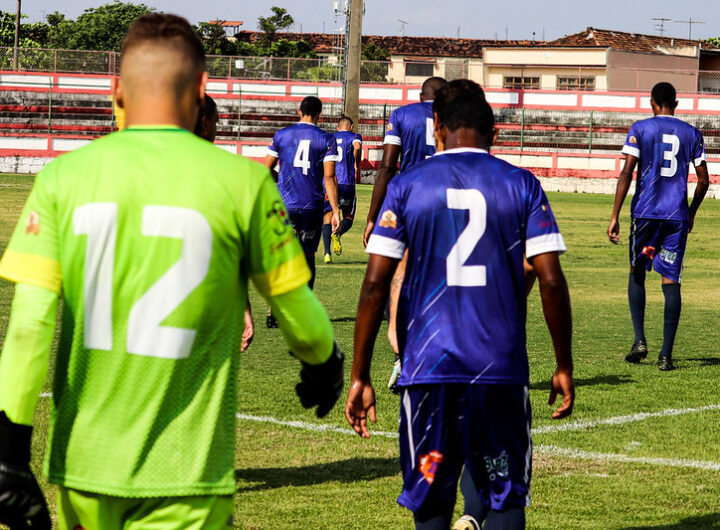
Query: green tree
[
  {"x": 214, "y": 39},
  {"x": 373, "y": 66},
  {"x": 715, "y": 41},
  {"x": 372, "y": 52},
  {"x": 98, "y": 28},
  {"x": 31, "y": 35},
  {"x": 279, "y": 20}
]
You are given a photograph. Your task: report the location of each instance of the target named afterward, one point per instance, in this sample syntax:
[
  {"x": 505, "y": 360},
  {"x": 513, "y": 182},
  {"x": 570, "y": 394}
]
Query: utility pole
[
  {"x": 352, "y": 66},
  {"x": 17, "y": 36},
  {"x": 690, "y": 23}
]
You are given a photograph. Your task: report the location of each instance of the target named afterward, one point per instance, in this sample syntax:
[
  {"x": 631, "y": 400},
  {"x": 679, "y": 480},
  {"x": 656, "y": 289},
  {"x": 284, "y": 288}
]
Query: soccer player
[
  {"x": 349, "y": 157},
  {"x": 466, "y": 218},
  {"x": 206, "y": 128},
  {"x": 150, "y": 235},
  {"x": 662, "y": 147},
  {"x": 307, "y": 157}
]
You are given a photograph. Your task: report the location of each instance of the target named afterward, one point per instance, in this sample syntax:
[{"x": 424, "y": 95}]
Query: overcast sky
[{"x": 446, "y": 18}]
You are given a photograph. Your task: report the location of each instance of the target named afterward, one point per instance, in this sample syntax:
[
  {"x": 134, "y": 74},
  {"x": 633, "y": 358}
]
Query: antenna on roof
[
  {"x": 690, "y": 23},
  {"x": 402, "y": 27},
  {"x": 660, "y": 25}
]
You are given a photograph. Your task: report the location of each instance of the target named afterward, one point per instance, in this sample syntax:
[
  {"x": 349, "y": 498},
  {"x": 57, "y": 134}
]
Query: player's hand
[
  {"x": 335, "y": 222},
  {"x": 22, "y": 504},
  {"x": 360, "y": 406},
  {"x": 562, "y": 383},
  {"x": 691, "y": 223},
  {"x": 613, "y": 231},
  {"x": 392, "y": 338},
  {"x": 368, "y": 230},
  {"x": 321, "y": 384},
  {"x": 249, "y": 330}
]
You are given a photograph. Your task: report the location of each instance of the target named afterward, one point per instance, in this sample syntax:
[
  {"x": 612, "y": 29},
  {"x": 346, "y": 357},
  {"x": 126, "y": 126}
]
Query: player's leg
[
  {"x": 669, "y": 263},
  {"x": 327, "y": 234},
  {"x": 475, "y": 510},
  {"x": 430, "y": 454},
  {"x": 643, "y": 236},
  {"x": 495, "y": 427}
]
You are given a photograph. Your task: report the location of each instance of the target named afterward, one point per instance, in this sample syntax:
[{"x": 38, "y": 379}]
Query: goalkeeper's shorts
[{"x": 93, "y": 511}]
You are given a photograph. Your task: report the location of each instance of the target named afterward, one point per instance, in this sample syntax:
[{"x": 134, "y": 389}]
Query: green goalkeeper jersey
[{"x": 150, "y": 234}]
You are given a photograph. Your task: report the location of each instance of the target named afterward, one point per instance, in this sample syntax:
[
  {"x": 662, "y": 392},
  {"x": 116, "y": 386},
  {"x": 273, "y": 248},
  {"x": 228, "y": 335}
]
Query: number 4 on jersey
[{"x": 302, "y": 156}]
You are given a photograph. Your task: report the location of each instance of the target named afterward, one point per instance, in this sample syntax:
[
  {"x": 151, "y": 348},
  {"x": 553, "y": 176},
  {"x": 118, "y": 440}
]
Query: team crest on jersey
[
  {"x": 280, "y": 218},
  {"x": 390, "y": 127},
  {"x": 632, "y": 140},
  {"x": 33, "y": 223},
  {"x": 388, "y": 220},
  {"x": 429, "y": 464},
  {"x": 667, "y": 256},
  {"x": 648, "y": 251}
]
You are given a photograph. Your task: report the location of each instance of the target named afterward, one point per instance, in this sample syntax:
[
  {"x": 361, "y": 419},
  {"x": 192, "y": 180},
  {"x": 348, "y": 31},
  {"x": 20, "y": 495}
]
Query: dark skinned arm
[
  {"x": 703, "y": 183},
  {"x": 388, "y": 168},
  {"x": 270, "y": 163},
  {"x": 373, "y": 296},
  {"x": 556, "y": 307},
  {"x": 357, "y": 153},
  {"x": 623, "y": 185}
]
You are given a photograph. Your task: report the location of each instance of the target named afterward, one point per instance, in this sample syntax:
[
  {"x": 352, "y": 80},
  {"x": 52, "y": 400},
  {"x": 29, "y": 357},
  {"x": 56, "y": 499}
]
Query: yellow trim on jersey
[
  {"x": 20, "y": 267},
  {"x": 288, "y": 276}
]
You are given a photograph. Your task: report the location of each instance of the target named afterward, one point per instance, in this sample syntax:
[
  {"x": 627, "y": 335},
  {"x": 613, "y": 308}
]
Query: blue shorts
[
  {"x": 659, "y": 244},
  {"x": 346, "y": 199},
  {"x": 484, "y": 427},
  {"x": 308, "y": 228}
]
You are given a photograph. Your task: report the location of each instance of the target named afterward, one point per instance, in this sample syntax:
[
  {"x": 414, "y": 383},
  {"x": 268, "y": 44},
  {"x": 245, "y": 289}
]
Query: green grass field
[{"x": 611, "y": 465}]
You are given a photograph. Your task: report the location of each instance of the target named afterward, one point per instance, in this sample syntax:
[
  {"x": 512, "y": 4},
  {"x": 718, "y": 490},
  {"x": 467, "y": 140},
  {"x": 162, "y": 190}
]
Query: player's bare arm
[
  {"x": 249, "y": 327},
  {"x": 388, "y": 168},
  {"x": 271, "y": 163},
  {"x": 357, "y": 153},
  {"x": 703, "y": 183},
  {"x": 331, "y": 188},
  {"x": 556, "y": 306},
  {"x": 360, "y": 403},
  {"x": 623, "y": 185},
  {"x": 395, "y": 288}
]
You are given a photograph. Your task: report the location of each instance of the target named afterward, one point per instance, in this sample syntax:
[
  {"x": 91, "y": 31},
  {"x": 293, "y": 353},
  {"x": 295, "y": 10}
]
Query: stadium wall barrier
[
  {"x": 557, "y": 171},
  {"x": 374, "y": 93}
]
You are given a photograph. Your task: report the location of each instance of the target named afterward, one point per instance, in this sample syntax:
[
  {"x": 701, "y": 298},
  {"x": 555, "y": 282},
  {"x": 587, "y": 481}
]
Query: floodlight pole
[
  {"x": 351, "y": 92},
  {"x": 17, "y": 36}
]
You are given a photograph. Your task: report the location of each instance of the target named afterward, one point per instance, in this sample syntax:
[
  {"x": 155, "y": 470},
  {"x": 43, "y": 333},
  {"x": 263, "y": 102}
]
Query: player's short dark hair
[
  {"x": 664, "y": 94},
  {"x": 462, "y": 104},
  {"x": 166, "y": 28},
  {"x": 207, "y": 109},
  {"x": 431, "y": 86},
  {"x": 345, "y": 120},
  {"x": 311, "y": 106}
]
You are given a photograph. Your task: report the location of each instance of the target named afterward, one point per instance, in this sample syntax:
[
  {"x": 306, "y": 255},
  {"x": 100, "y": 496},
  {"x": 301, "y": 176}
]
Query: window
[
  {"x": 419, "y": 69},
  {"x": 576, "y": 83},
  {"x": 531, "y": 83}
]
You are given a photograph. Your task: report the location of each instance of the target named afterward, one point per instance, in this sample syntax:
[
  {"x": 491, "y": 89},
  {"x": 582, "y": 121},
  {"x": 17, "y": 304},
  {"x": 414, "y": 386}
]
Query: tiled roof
[
  {"x": 407, "y": 46},
  {"x": 621, "y": 40}
]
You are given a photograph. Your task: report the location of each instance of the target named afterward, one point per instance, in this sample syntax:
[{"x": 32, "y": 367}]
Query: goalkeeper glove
[
  {"x": 321, "y": 384},
  {"x": 22, "y": 504}
]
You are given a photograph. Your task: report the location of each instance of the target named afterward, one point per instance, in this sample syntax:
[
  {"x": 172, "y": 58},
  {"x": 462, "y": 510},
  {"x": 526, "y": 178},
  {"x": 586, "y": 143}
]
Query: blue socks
[
  {"x": 636, "y": 300},
  {"x": 673, "y": 303},
  {"x": 345, "y": 225},
  {"x": 326, "y": 233},
  {"x": 513, "y": 519},
  {"x": 473, "y": 505}
]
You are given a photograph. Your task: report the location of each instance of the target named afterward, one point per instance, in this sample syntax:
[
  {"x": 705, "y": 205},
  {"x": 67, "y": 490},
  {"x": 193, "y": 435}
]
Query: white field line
[{"x": 314, "y": 427}]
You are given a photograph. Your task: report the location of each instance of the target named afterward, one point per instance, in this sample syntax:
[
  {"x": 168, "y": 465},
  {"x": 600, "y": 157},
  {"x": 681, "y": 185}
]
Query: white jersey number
[
  {"x": 302, "y": 156},
  {"x": 146, "y": 335},
  {"x": 459, "y": 274},
  {"x": 430, "y": 132},
  {"x": 671, "y": 155},
  {"x": 339, "y": 150}
]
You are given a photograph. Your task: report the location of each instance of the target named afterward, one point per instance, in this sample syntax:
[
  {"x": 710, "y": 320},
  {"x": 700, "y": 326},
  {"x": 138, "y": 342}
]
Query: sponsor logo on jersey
[
  {"x": 648, "y": 251},
  {"x": 388, "y": 219},
  {"x": 667, "y": 256},
  {"x": 33, "y": 223},
  {"x": 280, "y": 217},
  {"x": 429, "y": 464},
  {"x": 497, "y": 466},
  {"x": 632, "y": 140}
]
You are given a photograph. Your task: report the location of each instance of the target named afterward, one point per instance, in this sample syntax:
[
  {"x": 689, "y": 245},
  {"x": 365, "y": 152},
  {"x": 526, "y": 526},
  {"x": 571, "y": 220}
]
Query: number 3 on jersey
[
  {"x": 671, "y": 155},
  {"x": 145, "y": 334},
  {"x": 302, "y": 156}
]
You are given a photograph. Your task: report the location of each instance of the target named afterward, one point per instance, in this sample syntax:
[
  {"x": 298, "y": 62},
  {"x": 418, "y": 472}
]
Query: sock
[
  {"x": 326, "y": 231},
  {"x": 513, "y": 519},
  {"x": 345, "y": 225},
  {"x": 673, "y": 303},
  {"x": 435, "y": 517},
  {"x": 310, "y": 258},
  {"x": 473, "y": 505},
  {"x": 636, "y": 299}
]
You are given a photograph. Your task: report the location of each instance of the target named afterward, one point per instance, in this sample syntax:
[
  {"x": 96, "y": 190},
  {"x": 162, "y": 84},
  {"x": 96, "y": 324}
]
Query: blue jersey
[
  {"x": 302, "y": 148},
  {"x": 345, "y": 166},
  {"x": 411, "y": 127},
  {"x": 665, "y": 146},
  {"x": 466, "y": 219}
]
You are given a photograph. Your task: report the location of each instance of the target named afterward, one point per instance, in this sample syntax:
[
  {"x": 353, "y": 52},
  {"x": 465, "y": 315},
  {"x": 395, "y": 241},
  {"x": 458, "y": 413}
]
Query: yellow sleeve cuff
[
  {"x": 32, "y": 269},
  {"x": 288, "y": 276}
]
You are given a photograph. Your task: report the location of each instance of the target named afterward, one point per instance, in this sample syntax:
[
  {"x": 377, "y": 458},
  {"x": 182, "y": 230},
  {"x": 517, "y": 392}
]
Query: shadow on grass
[
  {"x": 350, "y": 470},
  {"x": 696, "y": 522},
  {"x": 343, "y": 319},
  {"x": 590, "y": 381},
  {"x": 705, "y": 361}
]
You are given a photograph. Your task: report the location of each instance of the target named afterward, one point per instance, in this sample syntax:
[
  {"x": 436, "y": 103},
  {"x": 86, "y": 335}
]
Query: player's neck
[
  {"x": 664, "y": 111},
  {"x": 465, "y": 138},
  {"x": 308, "y": 119},
  {"x": 158, "y": 113}
]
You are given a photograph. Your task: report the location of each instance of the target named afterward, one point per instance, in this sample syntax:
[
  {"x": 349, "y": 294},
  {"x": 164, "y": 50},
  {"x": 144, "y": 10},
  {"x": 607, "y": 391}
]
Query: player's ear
[
  {"x": 117, "y": 91},
  {"x": 675, "y": 105},
  {"x": 201, "y": 86},
  {"x": 494, "y": 137}
]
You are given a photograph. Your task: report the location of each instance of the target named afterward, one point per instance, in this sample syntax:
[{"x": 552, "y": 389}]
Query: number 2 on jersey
[
  {"x": 302, "y": 156},
  {"x": 459, "y": 274},
  {"x": 145, "y": 334}
]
